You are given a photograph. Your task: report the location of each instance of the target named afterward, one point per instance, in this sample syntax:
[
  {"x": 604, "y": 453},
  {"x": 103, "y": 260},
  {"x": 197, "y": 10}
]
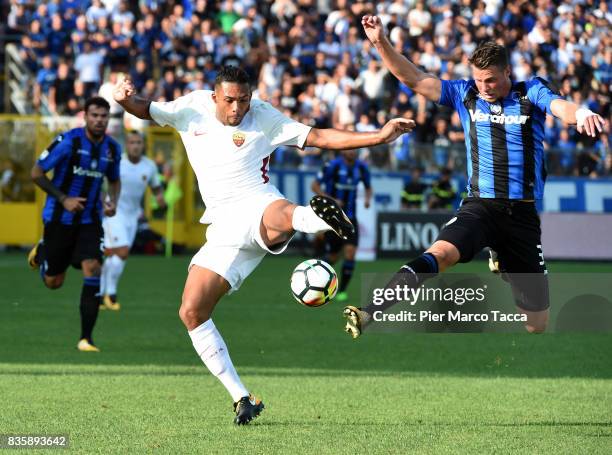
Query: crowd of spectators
[{"x": 310, "y": 58}]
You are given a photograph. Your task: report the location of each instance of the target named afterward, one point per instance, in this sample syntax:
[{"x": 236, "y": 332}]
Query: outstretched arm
[
  {"x": 407, "y": 72},
  {"x": 334, "y": 139},
  {"x": 125, "y": 94},
  {"x": 586, "y": 121}
]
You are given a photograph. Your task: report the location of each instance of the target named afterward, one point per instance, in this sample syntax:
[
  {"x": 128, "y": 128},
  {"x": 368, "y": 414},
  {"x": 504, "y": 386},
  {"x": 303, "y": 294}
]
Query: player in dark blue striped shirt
[
  {"x": 80, "y": 159},
  {"x": 503, "y": 121},
  {"x": 339, "y": 179}
]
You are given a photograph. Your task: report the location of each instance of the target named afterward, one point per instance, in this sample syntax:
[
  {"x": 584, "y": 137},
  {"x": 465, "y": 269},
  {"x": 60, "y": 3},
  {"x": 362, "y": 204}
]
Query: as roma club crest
[{"x": 238, "y": 138}]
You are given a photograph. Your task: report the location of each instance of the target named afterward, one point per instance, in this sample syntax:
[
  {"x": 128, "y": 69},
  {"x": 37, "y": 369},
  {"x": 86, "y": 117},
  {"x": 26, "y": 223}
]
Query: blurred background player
[
  {"x": 442, "y": 192},
  {"x": 413, "y": 195},
  {"x": 137, "y": 172},
  {"x": 228, "y": 137},
  {"x": 80, "y": 159},
  {"x": 503, "y": 123},
  {"x": 339, "y": 179}
]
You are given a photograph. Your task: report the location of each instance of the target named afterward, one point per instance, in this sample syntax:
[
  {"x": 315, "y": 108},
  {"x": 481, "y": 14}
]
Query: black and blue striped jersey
[
  {"x": 79, "y": 167},
  {"x": 340, "y": 181},
  {"x": 504, "y": 139}
]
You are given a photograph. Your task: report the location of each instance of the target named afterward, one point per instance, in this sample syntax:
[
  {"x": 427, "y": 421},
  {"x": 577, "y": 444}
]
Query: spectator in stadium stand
[
  {"x": 57, "y": 38},
  {"x": 89, "y": 66},
  {"x": 565, "y": 149},
  {"x": 371, "y": 82},
  {"x": 45, "y": 78},
  {"x": 441, "y": 143},
  {"x": 62, "y": 88},
  {"x": 442, "y": 192},
  {"x": 413, "y": 194},
  {"x": 565, "y": 43}
]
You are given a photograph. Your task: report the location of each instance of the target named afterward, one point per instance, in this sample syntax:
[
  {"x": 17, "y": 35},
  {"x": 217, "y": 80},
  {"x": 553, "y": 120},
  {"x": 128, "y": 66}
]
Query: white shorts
[
  {"x": 119, "y": 231},
  {"x": 234, "y": 246}
]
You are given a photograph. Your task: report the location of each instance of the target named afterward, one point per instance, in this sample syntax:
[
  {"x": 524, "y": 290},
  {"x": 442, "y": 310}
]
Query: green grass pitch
[{"x": 147, "y": 391}]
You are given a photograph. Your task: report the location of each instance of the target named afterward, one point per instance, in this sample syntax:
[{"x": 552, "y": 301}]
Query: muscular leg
[
  {"x": 531, "y": 294},
  {"x": 203, "y": 289},
  {"x": 537, "y": 321},
  {"x": 439, "y": 257},
  {"x": 282, "y": 218},
  {"x": 277, "y": 222},
  {"x": 55, "y": 281},
  {"x": 446, "y": 254},
  {"x": 90, "y": 297}
]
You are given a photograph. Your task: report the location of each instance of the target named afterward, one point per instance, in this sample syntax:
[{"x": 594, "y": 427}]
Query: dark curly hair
[
  {"x": 232, "y": 74},
  {"x": 97, "y": 101}
]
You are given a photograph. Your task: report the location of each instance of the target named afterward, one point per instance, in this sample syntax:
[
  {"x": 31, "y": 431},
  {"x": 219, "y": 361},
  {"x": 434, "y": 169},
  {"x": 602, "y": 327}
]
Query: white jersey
[
  {"x": 230, "y": 162},
  {"x": 134, "y": 180}
]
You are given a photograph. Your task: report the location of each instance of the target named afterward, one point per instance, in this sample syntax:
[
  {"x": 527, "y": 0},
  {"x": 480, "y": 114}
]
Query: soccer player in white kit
[
  {"x": 137, "y": 172},
  {"x": 229, "y": 138}
]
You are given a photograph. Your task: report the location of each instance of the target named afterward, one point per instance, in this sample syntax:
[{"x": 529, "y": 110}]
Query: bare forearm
[
  {"x": 45, "y": 184},
  {"x": 114, "y": 189},
  {"x": 334, "y": 139},
  {"x": 137, "y": 106},
  {"x": 400, "y": 66},
  {"x": 564, "y": 110}
]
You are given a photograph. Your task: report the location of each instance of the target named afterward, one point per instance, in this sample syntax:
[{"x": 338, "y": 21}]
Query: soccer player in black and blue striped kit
[
  {"x": 503, "y": 121},
  {"x": 80, "y": 159},
  {"x": 340, "y": 179}
]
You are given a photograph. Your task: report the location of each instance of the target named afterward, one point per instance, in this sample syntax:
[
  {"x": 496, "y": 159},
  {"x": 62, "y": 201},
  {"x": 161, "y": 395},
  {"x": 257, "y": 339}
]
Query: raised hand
[
  {"x": 373, "y": 28},
  {"x": 124, "y": 90},
  {"x": 394, "y": 128},
  {"x": 589, "y": 122}
]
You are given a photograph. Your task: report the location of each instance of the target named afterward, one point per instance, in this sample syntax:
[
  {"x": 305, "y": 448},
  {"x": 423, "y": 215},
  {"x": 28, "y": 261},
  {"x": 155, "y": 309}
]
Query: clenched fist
[
  {"x": 124, "y": 90},
  {"x": 373, "y": 28}
]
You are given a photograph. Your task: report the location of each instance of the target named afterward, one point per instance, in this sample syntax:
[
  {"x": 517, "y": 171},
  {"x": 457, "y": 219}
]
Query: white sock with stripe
[{"x": 211, "y": 348}]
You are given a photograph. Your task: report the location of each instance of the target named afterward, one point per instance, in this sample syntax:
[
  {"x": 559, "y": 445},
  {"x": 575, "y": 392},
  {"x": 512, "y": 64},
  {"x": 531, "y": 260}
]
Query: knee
[
  {"x": 446, "y": 254},
  {"x": 54, "y": 282},
  {"x": 192, "y": 314},
  {"x": 91, "y": 268}
]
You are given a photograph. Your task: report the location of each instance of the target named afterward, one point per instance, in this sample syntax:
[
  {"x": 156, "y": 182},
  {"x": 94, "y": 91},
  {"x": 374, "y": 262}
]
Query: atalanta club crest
[
  {"x": 238, "y": 138},
  {"x": 496, "y": 109}
]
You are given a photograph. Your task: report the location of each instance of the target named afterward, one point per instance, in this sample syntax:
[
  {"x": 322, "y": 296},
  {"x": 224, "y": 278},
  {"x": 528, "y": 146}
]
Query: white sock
[
  {"x": 306, "y": 220},
  {"x": 115, "y": 267},
  {"x": 212, "y": 350}
]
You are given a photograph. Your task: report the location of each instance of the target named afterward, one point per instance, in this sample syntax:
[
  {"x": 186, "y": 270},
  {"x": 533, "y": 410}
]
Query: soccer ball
[{"x": 314, "y": 282}]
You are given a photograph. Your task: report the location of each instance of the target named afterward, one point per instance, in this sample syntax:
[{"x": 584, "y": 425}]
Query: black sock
[
  {"x": 412, "y": 274},
  {"x": 90, "y": 305},
  {"x": 41, "y": 260},
  {"x": 347, "y": 274}
]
